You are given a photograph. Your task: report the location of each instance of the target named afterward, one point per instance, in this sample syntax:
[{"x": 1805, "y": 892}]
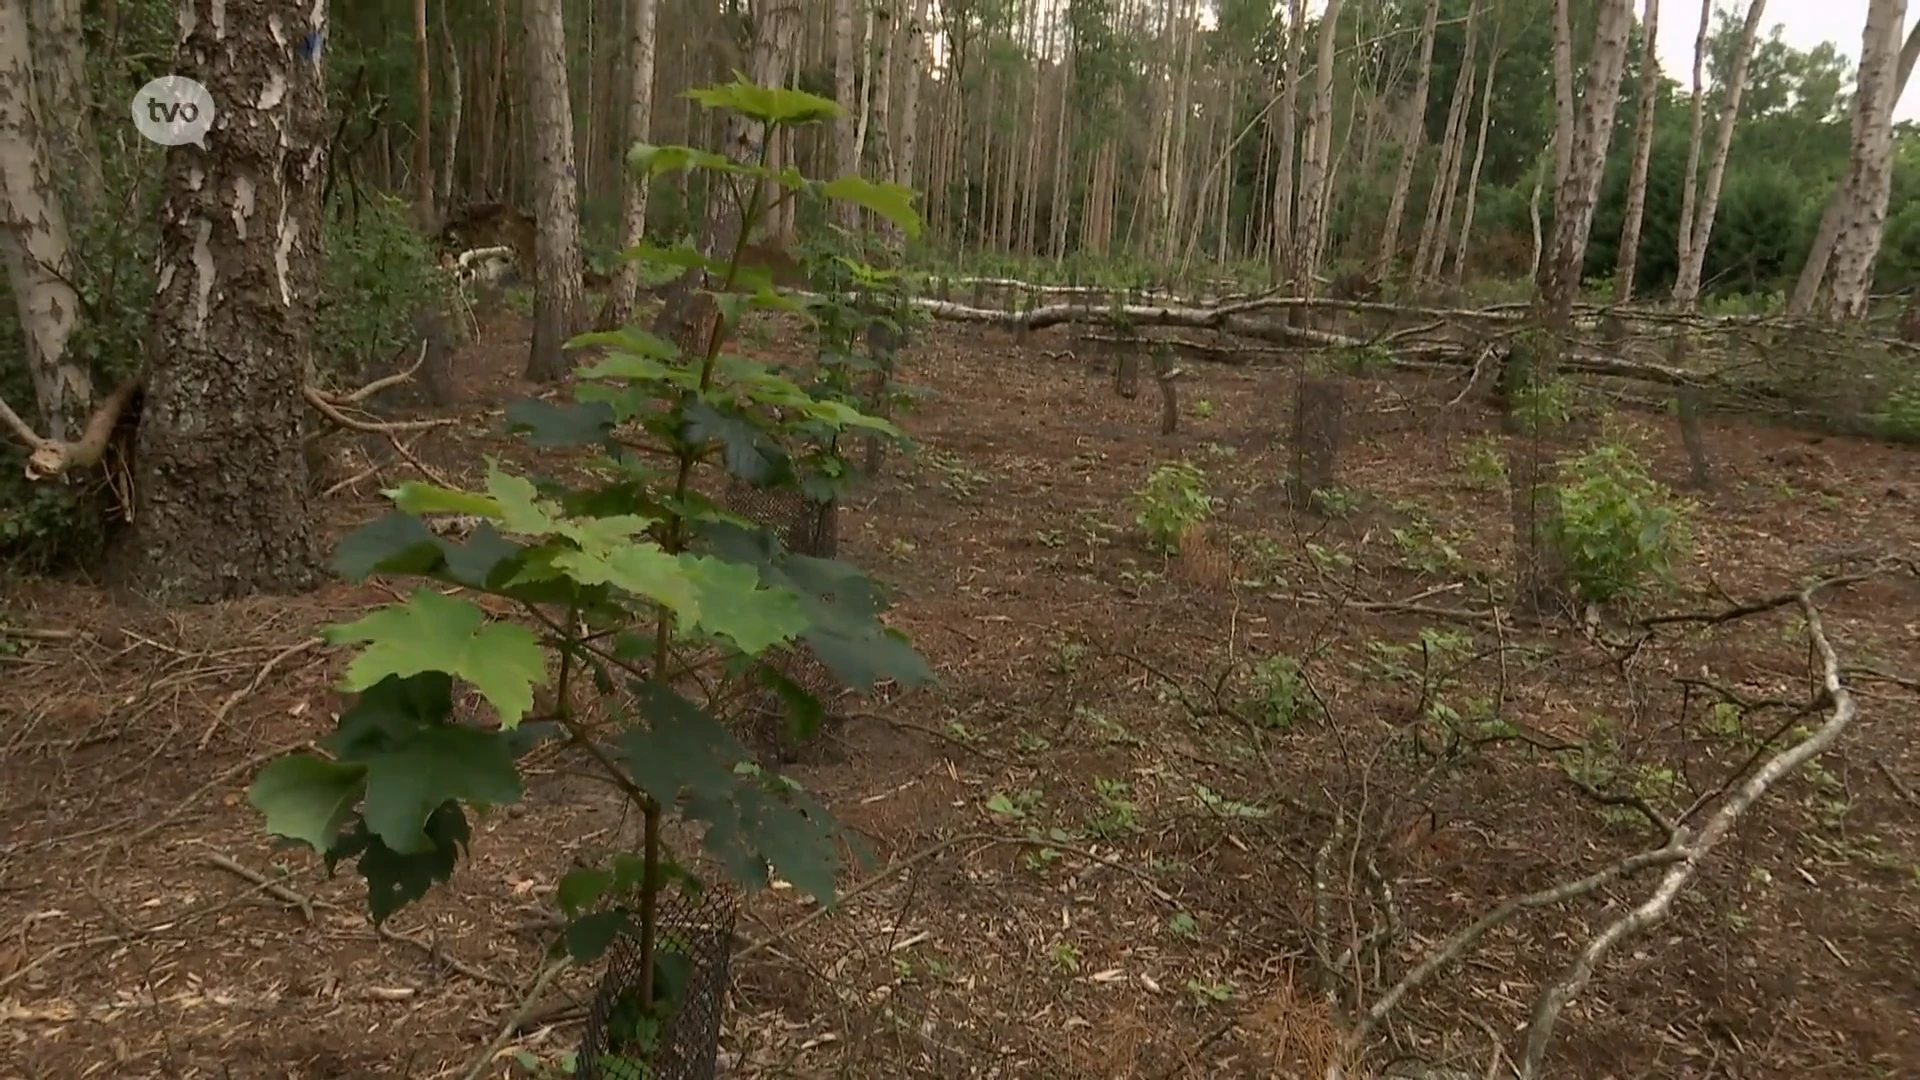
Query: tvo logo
[{"x": 173, "y": 111}]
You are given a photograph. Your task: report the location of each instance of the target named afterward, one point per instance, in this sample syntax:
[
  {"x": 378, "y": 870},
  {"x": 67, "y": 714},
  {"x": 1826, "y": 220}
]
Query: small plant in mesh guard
[
  {"x": 637, "y": 586},
  {"x": 1173, "y": 500},
  {"x": 1617, "y": 529}
]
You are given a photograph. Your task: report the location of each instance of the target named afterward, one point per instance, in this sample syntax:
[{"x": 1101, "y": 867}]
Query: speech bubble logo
[{"x": 173, "y": 111}]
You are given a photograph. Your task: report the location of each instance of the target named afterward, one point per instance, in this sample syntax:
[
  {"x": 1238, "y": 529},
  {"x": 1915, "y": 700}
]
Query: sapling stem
[{"x": 689, "y": 455}]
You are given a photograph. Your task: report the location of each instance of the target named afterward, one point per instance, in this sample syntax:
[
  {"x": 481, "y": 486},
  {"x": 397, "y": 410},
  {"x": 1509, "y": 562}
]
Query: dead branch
[
  {"x": 49, "y": 458},
  {"x": 1695, "y": 848}
]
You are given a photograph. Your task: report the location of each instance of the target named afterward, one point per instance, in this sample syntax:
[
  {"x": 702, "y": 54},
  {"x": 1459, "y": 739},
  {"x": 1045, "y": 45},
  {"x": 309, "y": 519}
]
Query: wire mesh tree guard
[{"x": 693, "y": 951}]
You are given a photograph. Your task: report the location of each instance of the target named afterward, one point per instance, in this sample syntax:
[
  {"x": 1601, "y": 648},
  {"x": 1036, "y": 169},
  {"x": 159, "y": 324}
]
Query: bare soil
[{"x": 1165, "y": 923}]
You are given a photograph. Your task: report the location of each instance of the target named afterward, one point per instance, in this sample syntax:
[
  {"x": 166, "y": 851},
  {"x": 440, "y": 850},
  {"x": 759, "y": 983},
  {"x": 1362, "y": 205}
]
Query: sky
[{"x": 1805, "y": 23}]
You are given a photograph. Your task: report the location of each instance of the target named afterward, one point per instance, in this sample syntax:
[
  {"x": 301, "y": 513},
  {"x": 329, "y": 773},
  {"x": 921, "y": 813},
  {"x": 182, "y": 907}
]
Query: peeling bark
[
  {"x": 1410, "y": 145},
  {"x": 221, "y": 494},
  {"x": 60, "y": 68},
  {"x": 1686, "y": 290},
  {"x": 1869, "y": 180},
  {"x": 1579, "y": 192},
  {"x": 34, "y": 239}
]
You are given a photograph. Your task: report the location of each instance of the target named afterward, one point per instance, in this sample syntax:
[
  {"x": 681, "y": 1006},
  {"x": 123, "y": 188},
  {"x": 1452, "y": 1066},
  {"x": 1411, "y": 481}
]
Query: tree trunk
[
  {"x": 220, "y": 481},
  {"x": 1410, "y": 145},
  {"x": 1311, "y": 230},
  {"x": 624, "y": 292},
  {"x": 66, "y": 114},
  {"x": 1629, "y": 261},
  {"x": 906, "y": 162},
  {"x": 1695, "y": 123},
  {"x": 1686, "y": 289},
  {"x": 1576, "y": 198},
  {"x": 687, "y": 316},
  {"x": 456, "y": 94},
  {"x": 1473, "y": 175},
  {"x": 1869, "y": 179},
  {"x": 1814, "y": 274},
  {"x": 1431, "y": 248},
  {"x": 423, "y": 123},
  {"x": 1563, "y": 93},
  {"x": 34, "y": 239},
  {"x": 493, "y": 102},
  {"x": 846, "y": 153},
  {"x": 1291, "y": 48},
  {"x": 557, "y": 298}
]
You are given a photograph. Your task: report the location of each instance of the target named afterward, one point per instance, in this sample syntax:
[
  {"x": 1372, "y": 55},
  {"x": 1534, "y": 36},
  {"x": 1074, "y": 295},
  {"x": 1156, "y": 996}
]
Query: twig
[
  {"x": 260, "y": 676},
  {"x": 507, "y": 1029},
  {"x": 29, "y": 633},
  {"x": 328, "y": 408},
  {"x": 439, "y": 956},
  {"x": 267, "y": 885}
]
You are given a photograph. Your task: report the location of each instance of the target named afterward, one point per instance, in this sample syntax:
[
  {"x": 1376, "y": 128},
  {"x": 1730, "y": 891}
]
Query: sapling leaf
[
  {"x": 438, "y": 764},
  {"x": 581, "y": 889},
  {"x": 307, "y": 798},
  {"x": 388, "y": 713},
  {"x": 589, "y": 936},
  {"x": 734, "y": 606},
  {"x": 547, "y": 424},
  {"x": 395, "y": 880},
  {"x": 891, "y": 201},
  {"x": 415, "y": 497},
  {"x": 768, "y": 104},
  {"x": 433, "y": 632}
]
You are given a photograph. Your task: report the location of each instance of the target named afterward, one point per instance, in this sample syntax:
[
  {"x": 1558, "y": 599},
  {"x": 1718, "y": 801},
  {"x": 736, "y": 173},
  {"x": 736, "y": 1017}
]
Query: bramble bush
[{"x": 636, "y": 584}]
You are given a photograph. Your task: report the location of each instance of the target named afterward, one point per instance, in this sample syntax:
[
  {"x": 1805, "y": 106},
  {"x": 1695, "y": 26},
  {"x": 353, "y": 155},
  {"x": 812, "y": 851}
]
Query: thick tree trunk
[
  {"x": 494, "y": 102},
  {"x": 914, "y": 45},
  {"x": 1814, "y": 274},
  {"x": 221, "y": 493},
  {"x": 1686, "y": 289},
  {"x": 1869, "y": 180},
  {"x": 557, "y": 298},
  {"x": 1410, "y": 144},
  {"x": 642, "y": 21},
  {"x": 1629, "y": 261},
  {"x": 34, "y": 239}
]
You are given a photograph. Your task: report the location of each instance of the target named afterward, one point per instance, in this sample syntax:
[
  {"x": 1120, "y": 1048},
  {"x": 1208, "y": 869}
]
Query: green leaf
[
  {"x": 401, "y": 544},
  {"x": 581, "y": 889},
  {"x": 735, "y": 607},
  {"x": 746, "y": 450},
  {"x": 307, "y": 798},
  {"x": 415, "y": 497},
  {"x": 647, "y": 161},
  {"x": 681, "y": 748},
  {"x": 768, "y": 104},
  {"x": 437, "y": 765},
  {"x": 631, "y": 341},
  {"x": 643, "y": 569},
  {"x": 805, "y": 714},
  {"x": 590, "y": 936},
  {"x": 891, "y": 201},
  {"x": 433, "y": 632},
  {"x": 389, "y": 713},
  {"x": 395, "y": 880},
  {"x": 549, "y": 425}
]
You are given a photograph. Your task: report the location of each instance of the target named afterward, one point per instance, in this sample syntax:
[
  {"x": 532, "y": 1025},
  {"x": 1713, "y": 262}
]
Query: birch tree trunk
[
  {"x": 1311, "y": 232},
  {"x": 1686, "y": 288},
  {"x": 1285, "y": 253},
  {"x": 1695, "y": 123},
  {"x": 1410, "y": 145},
  {"x": 914, "y": 45},
  {"x": 60, "y": 70},
  {"x": 624, "y": 290},
  {"x": 1814, "y": 274},
  {"x": 34, "y": 239},
  {"x": 1869, "y": 180},
  {"x": 1473, "y": 176},
  {"x": 220, "y": 480},
  {"x": 557, "y": 299},
  {"x": 1576, "y": 198},
  {"x": 1433, "y": 239},
  {"x": 1629, "y": 261}
]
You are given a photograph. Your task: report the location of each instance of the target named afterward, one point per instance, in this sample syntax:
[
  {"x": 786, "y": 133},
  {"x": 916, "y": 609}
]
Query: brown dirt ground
[{"x": 1170, "y": 932}]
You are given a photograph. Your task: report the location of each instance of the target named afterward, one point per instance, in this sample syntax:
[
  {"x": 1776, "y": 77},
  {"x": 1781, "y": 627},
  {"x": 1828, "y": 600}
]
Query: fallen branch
[{"x": 48, "y": 458}]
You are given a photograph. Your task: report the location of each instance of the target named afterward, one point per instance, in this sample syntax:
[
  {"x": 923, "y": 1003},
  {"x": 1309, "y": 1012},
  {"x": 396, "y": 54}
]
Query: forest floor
[{"x": 1166, "y": 925}]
